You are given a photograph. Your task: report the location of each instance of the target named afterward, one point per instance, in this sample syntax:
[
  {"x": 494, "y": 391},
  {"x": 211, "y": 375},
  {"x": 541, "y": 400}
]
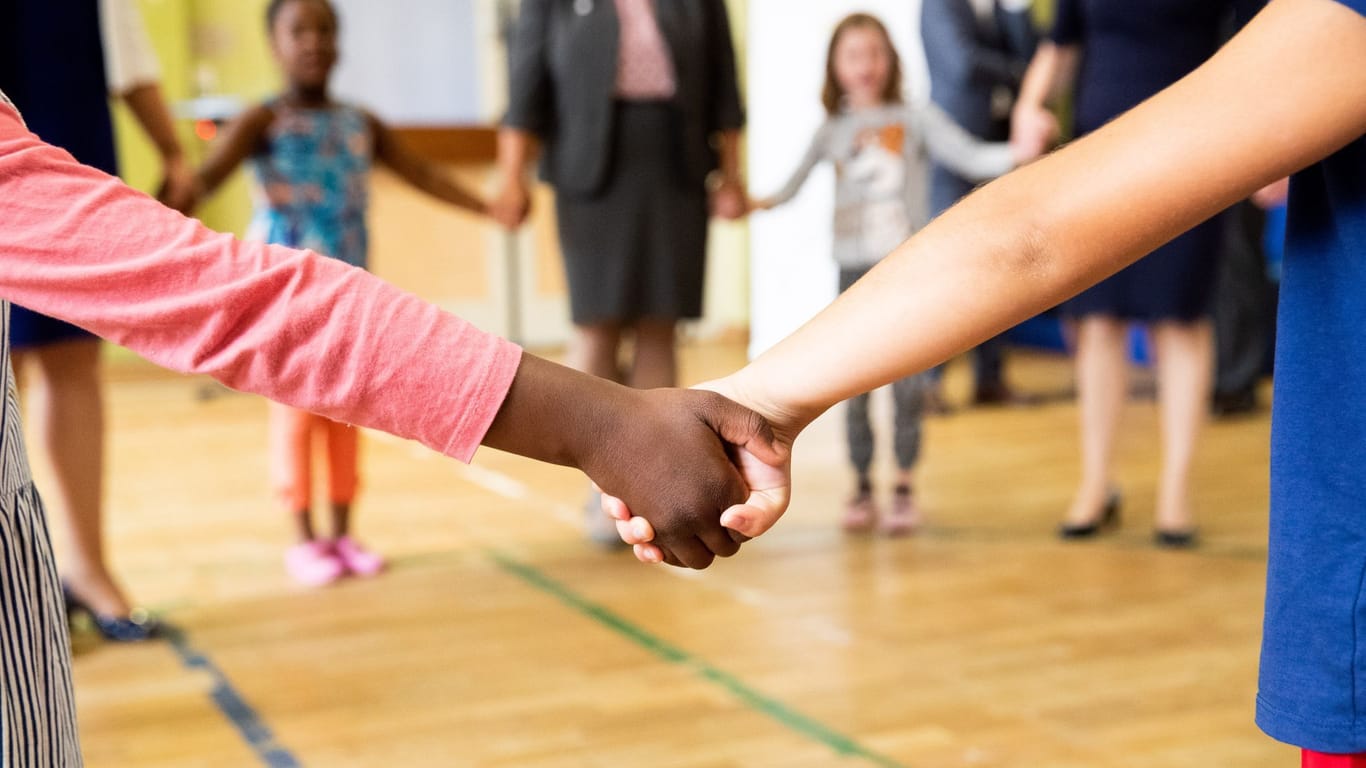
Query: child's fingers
[
  {"x": 648, "y": 553},
  {"x": 636, "y": 530},
  {"x": 615, "y": 508}
]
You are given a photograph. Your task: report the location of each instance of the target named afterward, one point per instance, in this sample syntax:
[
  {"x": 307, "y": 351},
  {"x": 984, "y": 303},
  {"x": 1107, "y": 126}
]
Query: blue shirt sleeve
[{"x": 1357, "y": 5}]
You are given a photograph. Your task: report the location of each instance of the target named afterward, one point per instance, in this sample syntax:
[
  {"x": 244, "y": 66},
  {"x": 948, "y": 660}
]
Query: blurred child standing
[
  {"x": 881, "y": 148},
  {"x": 310, "y": 158}
]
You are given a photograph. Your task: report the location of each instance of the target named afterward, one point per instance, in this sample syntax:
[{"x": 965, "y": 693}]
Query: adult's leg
[
  {"x": 656, "y": 354},
  {"x": 593, "y": 349},
  {"x": 988, "y": 361},
  {"x": 1184, "y": 355},
  {"x": 1102, "y": 376},
  {"x": 1244, "y": 311},
  {"x": 946, "y": 188},
  {"x": 66, "y": 408}
]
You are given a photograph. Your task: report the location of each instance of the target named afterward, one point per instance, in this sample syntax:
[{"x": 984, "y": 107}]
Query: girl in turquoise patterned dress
[{"x": 310, "y": 158}]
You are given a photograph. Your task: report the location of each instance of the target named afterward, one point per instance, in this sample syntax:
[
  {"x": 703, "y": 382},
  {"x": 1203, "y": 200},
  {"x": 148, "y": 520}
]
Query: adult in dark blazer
[
  {"x": 635, "y": 110},
  {"x": 976, "y": 62}
]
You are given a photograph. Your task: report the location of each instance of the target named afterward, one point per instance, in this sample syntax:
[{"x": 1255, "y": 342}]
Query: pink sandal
[
  {"x": 860, "y": 514},
  {"x": 357, "y": 560},
  {"x": 904, "y": 517},
  {"x": 313, "y": 564}
]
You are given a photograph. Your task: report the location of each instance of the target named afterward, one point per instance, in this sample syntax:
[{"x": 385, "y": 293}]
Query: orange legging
[{"x": 292, "y": 432}]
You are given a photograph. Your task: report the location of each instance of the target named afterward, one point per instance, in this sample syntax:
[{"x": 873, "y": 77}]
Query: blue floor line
[{"x": 232, "y": 705}]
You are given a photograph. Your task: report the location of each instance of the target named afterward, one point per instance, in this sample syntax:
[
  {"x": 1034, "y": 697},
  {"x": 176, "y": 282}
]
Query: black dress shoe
[
  {"x": 1108, "y": 518},
  {"x": 1001, "y": 394},
  {"x": 134, "y": 628},
  {"x": 1174, "y": 539},
  {"x": 1238, "y": 403}
]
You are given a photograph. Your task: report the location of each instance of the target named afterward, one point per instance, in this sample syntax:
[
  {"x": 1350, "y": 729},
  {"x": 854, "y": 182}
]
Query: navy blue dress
[
  {"x": 1130, "y": 50},
  {"x": 52, "y": 68}
]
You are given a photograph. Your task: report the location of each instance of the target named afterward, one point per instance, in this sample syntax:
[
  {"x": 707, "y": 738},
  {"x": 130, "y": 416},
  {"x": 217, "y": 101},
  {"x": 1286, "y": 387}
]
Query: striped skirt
[{"x": 37, "y": 708}]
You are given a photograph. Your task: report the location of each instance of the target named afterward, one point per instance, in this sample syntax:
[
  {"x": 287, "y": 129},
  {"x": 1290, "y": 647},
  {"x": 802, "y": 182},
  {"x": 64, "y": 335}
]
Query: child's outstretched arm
[
  {"x": 421, "y": 172},
  {"x": 816, "y": 151},
  {"x": 1288, "y": 91},
  {"x": 968, "y": 156},
  {"x": 318, "y": 334},
  {"x": 241, "y": 137}
]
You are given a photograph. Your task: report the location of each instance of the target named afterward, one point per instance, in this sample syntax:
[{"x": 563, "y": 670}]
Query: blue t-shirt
[{"x": 1313, "y": 674}]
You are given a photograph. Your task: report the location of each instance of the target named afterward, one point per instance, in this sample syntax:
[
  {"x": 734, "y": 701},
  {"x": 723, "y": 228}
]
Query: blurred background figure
[
  {"x": 881, "y": 147},
  {"x": 61, "y": 61},
  {"x": 635, "y": 107},
  {"x": 1114, "y": 54},
  {"x": 977, "y": 52},
  {"x": 311, "y": 158},
  {"x": 1245, "y": 304}
]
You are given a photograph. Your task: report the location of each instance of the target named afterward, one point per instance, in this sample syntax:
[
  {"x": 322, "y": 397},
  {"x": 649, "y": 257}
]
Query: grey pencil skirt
[{"x": 637, "y": 248}]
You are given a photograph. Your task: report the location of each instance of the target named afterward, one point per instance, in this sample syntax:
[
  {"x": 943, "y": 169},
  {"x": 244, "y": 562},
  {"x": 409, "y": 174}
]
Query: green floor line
[{"x": 753, "y": 699}]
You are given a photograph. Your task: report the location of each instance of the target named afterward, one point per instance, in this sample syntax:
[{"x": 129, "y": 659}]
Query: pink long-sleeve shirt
[{"x": 294, "y": 326}]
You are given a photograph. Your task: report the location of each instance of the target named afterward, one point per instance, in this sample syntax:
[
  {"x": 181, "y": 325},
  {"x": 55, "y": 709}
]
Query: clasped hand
[{"x": 714, "y": 475}]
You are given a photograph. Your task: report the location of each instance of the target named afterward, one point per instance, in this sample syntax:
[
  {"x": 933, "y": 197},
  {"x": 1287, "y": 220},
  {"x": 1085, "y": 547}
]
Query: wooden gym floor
[{"x": 499, "y": 638}]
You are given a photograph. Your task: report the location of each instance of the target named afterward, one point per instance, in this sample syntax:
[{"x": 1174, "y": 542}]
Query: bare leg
[
  {"x": 593, "y": 349},
  {"x": 656, "y": 360},
  {"x": 1185, "y": 353},
  {"x": 341, "y": 520},
  {"x": 66, "y": 406},
  {"x": 1102, "y": 375}
]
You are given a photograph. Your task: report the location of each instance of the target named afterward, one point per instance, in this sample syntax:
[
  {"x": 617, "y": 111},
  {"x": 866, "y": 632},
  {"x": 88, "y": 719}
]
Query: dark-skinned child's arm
[
  {"x": 243, "y": 136},
  {"x": 421, "y": 172}
]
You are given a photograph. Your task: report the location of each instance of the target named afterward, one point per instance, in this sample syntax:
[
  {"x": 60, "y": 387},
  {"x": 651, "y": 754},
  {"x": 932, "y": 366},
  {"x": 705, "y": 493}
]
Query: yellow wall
[
  {"x": 167, "y": 22},
  {"x": 203, "y": 46}
]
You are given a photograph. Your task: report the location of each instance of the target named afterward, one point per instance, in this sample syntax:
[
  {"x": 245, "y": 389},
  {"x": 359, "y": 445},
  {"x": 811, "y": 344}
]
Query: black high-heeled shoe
[
  {"x": 1107, "y": 519},
  {"x": 1175, "y": 539},
  {"x": 134, "y": 628}
]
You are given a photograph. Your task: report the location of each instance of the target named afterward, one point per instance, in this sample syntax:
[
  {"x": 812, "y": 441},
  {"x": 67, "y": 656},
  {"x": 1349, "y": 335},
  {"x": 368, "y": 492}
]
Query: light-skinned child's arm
[
  {"x": 966, "y": 155},
  {"x": 421, "y": 172},
  {"x": 1286, "y": 92},
  {"x": 244, "y": 135},
  {"x": 816, "y": 151}
]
